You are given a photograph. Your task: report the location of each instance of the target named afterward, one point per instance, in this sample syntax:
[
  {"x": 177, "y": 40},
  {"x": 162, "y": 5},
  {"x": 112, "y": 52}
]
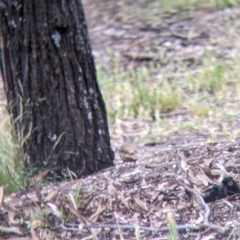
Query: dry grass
[{"x": 12, "y": 174}]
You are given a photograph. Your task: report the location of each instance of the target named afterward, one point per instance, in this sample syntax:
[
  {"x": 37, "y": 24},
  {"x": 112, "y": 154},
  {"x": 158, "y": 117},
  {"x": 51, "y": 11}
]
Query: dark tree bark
[{"x": 51, "y": 87}]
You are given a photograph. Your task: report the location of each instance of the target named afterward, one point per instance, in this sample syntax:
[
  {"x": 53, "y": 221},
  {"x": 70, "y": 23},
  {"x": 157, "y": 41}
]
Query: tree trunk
[{"x": 51, "y": 87}]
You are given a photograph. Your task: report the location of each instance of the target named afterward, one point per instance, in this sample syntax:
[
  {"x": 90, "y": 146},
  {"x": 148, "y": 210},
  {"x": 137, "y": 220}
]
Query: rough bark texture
[{"x": 51, "y": 87}]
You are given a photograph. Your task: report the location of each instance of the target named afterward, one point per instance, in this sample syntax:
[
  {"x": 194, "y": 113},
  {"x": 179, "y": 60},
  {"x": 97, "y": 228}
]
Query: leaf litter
[{"x": 123, "y": 198}]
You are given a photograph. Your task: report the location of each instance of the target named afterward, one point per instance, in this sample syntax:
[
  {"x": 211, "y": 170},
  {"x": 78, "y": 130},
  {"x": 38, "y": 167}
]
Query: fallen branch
[{"x": 74, "y": 227}]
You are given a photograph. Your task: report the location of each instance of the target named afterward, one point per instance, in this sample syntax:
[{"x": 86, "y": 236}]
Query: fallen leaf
[
  {"x": 10, "y": 230},
  {"x": 207, "y": 171},
  {"x": 95, "y": 215},
  {"x": 123, "y": 200},
  {"x": 51, "y": 195},
  {"x": 139, "y": 205},
  {"x": 183, "y": 162},
  {"x": 80, "y": 217},
  {"x": 72, "y": 200},
  {"x": 192, "y": 177},
  {"x": 202, "y": 178},
  {"x": 55, "y": 210},
  {"x": 208, "y": 161},
  {"x": 40, "y": 176}
]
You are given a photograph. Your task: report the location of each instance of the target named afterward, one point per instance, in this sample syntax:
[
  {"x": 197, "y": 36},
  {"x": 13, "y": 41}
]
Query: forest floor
[{"x": 170, "y": 80}]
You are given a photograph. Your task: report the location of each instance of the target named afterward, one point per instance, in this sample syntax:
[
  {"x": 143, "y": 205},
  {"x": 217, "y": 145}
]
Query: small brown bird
[{"x": 128, "y": 152}]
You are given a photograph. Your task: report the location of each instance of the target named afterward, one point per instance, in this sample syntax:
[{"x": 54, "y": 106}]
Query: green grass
[
  {"x": 208, "y": 94},
  {"x": 145, "y": 93},
  {"x": 153, "y": 11},
  {"x": 169, "y": 4},
  {"x": 12, "y": 175},
  {"x": 173, "y": 234},
  {"x": 132, "y": 94}
]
